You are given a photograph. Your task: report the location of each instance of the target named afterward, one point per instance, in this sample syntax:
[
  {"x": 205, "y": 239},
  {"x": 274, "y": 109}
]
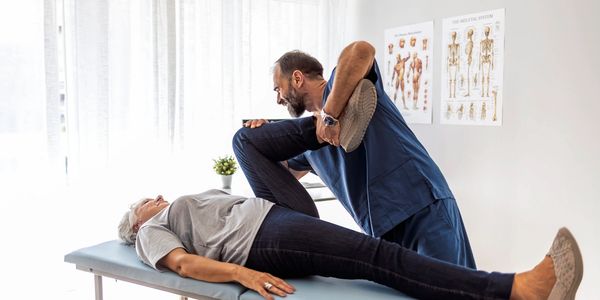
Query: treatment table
[{"x": 119, "y": 261}]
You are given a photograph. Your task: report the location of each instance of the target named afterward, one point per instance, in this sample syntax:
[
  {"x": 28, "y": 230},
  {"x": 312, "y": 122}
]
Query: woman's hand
[
  {"x": 255, "y": 123},
  {"x": 263, "y": 283}
]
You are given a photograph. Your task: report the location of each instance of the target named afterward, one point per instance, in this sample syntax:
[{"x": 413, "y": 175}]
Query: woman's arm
[{"x": 206, "y": 269}]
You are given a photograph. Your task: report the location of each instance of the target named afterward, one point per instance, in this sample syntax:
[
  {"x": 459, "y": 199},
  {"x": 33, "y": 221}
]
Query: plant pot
[{"x": 226, "y": 179}]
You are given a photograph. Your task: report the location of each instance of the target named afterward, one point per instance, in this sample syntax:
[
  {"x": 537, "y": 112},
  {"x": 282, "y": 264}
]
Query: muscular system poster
[
  {"x": 407, "y": 65},
  {"x": 472, "y": 69}
]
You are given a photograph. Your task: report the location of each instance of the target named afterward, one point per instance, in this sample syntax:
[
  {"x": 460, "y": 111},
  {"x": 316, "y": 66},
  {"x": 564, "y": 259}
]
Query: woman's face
[{"x": 148, "y": 209}]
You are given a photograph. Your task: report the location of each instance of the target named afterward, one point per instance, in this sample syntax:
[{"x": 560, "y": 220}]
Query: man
[{"x": 389, "y": 184}]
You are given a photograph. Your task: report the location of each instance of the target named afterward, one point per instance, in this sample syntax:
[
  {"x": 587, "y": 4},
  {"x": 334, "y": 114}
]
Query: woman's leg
[
  {"x": 290, "y": 244},
  {"x": 259, "y": 152}
]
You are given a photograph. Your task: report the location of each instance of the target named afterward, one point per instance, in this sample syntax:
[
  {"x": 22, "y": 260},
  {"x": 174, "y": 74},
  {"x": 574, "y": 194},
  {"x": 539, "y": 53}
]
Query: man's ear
[
  {"x": 136, "y": 226},
  {"x": 297, "y": 78}
]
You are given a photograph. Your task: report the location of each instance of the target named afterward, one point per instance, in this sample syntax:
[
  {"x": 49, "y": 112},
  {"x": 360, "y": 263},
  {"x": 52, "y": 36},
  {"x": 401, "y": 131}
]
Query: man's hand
[
  {"x": 263, "y": 283},
  {"x": 255, "y": 123},
  {"x": 329, "y": 134}
]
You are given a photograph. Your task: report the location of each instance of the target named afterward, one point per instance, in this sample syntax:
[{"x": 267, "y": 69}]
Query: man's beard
[{"x": 295, "y": 103}]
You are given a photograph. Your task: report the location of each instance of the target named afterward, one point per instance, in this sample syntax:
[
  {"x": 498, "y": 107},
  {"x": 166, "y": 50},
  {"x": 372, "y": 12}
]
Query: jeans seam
[{"x": 451, "y": 291}]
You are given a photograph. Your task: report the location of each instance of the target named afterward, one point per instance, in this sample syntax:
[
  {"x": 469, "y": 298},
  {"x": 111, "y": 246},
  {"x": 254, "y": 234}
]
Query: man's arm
[
  {"x": 206, "y": 269},
  {"x": 297, "y": 174},
  {"x": 354, "y": 64}
]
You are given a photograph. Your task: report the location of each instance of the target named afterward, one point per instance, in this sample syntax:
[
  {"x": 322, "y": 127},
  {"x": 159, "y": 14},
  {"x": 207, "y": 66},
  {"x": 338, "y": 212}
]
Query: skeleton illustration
[
  {"x": 469, "y": 53},
  {"x": 486, "y": 61},
  {"x": 453, "y": 64}
]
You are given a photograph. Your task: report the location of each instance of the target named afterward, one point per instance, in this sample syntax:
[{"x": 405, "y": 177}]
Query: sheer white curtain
[
  {"x": 26, "y": 131},
  {"x": 133, "y": 98},
  {"x": 30, "y": 139},
  {"x": 164, "y": 84},
  {"x": 225, "y": 51},
  {"x": 119, "y": 86}
]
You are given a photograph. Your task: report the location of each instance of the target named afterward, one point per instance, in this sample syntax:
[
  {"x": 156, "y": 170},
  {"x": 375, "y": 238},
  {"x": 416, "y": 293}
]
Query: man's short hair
[{"x": 298, "y": 60}]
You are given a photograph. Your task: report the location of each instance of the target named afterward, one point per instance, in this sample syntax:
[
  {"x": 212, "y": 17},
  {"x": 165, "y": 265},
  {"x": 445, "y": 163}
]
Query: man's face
[{"x": 287, "y": 95}]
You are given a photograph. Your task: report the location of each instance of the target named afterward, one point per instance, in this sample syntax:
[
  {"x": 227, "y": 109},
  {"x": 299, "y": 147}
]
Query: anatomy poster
[
  {"x": 407, "y": 75},
  {"x": 472, "y": 69}
]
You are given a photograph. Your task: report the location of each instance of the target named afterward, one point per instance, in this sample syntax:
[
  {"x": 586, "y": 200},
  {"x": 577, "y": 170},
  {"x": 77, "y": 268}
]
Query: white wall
[{"x": 518, "y": 183}]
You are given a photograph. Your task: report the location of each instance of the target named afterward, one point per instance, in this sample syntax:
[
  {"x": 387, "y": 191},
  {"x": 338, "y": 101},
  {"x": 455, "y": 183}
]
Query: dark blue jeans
[
  {"x": 293, "y": 244},
  {"x": 259, "y": 152},
  {"x": 292, "y": 241}
]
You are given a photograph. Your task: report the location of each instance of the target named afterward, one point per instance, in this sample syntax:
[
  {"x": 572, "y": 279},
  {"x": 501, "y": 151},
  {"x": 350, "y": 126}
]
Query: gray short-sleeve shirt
[{"x": 212, "y": 224}]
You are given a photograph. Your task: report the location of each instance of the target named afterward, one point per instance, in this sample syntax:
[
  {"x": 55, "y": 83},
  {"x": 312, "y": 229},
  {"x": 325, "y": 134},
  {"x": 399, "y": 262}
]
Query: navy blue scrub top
[{"x": 388, "y": 178}]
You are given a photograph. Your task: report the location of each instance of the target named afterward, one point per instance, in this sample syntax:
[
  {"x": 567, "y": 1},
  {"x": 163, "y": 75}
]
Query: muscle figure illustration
[
  {"x": 416, "y": 69},
  {"x": 389, "y": 62},
  {"x": 425, "y": 42},
  {"x": 398, "y": 74}
]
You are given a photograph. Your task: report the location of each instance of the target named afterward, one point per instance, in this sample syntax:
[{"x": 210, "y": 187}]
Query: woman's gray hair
[{"x": 126, "y": 233}]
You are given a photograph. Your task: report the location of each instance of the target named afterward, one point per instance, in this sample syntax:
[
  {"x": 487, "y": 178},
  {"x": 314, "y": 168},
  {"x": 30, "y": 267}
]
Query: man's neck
[{"x": 315, "y": 95}]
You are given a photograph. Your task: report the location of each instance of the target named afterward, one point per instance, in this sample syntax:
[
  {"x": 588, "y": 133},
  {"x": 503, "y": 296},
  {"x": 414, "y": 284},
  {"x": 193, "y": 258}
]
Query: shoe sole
[
  {"x": 357, "y": 115},
  {"x": 578, "y": 263}
]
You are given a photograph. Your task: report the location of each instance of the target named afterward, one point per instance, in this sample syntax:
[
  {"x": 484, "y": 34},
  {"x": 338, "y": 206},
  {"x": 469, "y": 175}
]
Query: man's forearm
[
  {"x": 297, "y": 174},
  {"x": 354, "y": 64}
]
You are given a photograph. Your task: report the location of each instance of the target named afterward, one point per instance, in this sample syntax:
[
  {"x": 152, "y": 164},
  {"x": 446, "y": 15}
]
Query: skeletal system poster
[
  {"x": 407, "y": 70},
  {"x": 472, "y": 69}
]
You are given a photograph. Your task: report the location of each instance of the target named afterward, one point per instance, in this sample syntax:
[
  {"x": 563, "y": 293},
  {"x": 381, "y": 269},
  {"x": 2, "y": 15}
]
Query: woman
[{"x": 218, "y": 237}]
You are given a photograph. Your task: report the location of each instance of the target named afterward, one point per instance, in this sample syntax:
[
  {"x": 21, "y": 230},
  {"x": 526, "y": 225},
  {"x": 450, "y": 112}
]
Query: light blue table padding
[
  {"x": 116, "y": 260},
  {"x": 317, "y": 287}
]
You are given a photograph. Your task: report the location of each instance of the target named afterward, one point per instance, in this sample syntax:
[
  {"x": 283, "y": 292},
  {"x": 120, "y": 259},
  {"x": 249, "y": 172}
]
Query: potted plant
[{"x": 226, "y": 167}]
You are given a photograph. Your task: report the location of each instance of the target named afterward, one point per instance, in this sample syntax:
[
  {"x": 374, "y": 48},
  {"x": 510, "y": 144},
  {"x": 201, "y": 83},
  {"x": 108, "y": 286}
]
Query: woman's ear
[{"x": 136, "y": 227}]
